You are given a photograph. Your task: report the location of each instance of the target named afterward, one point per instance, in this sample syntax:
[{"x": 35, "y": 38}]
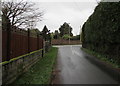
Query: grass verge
[
  {"x": 40, "y": 73},
  {"x": 104, "y": 58}
]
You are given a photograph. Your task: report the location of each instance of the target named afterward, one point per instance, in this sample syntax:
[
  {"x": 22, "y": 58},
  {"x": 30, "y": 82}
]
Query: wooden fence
[
  {"x": 64, "y": 42},
  {"x": 19, "y": 42}
]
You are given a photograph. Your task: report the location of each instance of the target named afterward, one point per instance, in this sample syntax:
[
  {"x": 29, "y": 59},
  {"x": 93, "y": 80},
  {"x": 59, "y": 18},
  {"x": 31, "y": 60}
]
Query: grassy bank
[
  {"x": 40, "y": 73},
  {"x": 114, "y": 63}
]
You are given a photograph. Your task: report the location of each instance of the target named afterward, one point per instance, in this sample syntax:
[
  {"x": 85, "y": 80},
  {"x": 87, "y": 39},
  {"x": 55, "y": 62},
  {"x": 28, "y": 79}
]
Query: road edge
[{"x": 113, "y": 72}]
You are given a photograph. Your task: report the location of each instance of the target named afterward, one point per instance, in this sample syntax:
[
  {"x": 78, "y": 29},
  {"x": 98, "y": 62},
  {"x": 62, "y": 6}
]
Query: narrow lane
[{"x": 74, "y": 68}]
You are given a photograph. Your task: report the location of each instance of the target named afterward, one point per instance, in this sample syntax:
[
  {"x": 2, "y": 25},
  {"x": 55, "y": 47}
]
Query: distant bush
[
  {"x": 101, "y": 32},
  {"x": 66, "y": 36},
  {"x": 77, "y": 37}
]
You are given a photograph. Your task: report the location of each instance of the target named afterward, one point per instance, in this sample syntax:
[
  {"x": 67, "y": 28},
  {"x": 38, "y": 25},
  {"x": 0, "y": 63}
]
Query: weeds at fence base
[{"x": 40, "y": 73}]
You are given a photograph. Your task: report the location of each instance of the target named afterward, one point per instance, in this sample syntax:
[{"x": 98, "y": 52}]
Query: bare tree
[{"x": 21, "y": 13}]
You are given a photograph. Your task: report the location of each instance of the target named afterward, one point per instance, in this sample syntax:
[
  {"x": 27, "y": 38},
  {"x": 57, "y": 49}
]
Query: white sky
[{"x": 56, "y": 13}]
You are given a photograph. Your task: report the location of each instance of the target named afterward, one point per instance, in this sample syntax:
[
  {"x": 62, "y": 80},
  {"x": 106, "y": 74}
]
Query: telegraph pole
[
  {"x": 69, "y": 33},
  {"x": 80, "y": 34}
]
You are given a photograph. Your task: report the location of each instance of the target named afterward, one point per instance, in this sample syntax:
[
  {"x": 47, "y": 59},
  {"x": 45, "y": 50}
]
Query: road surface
[{"x": 73, "y": 68}]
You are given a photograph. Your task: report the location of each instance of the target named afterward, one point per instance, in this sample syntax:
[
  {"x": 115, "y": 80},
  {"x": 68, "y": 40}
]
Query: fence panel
[
  {"x": 65, "y": 42},
  {"x": 4, "y": 45},
  {"x": 33, "y": 44},
  {"x": 19, "y": 43}
]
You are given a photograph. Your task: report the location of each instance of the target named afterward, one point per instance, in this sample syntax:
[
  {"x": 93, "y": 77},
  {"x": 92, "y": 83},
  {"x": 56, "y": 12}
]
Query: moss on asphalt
[{"x": 40, "y": 73}]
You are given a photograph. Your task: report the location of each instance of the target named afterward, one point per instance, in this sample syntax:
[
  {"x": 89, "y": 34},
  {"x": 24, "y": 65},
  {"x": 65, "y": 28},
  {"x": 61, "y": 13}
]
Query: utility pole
[
  {"x": 69, "y": 33},
  {"x": 80, "y": 34}
]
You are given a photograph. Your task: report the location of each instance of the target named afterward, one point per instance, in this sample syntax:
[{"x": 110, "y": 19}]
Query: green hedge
[{"x": 101, "y": 32}]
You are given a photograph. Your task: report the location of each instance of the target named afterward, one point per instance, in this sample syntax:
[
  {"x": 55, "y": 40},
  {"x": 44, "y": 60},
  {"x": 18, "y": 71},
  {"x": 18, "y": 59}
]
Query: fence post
[
  {"x": 42, "y": 48},
  {"x": 8, "y": 41},
  {"x": 28, "y": 40},
  {"x": 37, "y": 41}
]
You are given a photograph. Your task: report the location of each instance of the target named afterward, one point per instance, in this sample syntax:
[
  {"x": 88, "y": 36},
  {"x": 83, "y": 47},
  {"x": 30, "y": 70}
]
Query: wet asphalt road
[{"x": 74, "y": 68}]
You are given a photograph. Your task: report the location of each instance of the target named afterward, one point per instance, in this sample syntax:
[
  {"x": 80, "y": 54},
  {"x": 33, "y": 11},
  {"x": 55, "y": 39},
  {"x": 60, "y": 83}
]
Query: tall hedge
[{"x": 101, "y": 32}]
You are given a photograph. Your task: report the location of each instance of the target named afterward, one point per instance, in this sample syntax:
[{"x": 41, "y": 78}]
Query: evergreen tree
[
  {"x": 45, "y": 32},
  {"x": 56, "y": 34},
  {"x": 65, "y": 29}
]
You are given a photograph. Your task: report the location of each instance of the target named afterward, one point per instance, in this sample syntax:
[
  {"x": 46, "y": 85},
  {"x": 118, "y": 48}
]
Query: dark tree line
[
  {"x": 20, "y": 14},
  {"x": 65, "y": 32},
  {"x": 101, "y": 32},
  {"x": 46, "y": 34},
  {"x": 65, "y": 29}
]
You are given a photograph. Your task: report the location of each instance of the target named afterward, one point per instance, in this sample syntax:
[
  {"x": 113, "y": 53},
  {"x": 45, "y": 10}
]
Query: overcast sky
[{"x": 56, "y": 12}]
